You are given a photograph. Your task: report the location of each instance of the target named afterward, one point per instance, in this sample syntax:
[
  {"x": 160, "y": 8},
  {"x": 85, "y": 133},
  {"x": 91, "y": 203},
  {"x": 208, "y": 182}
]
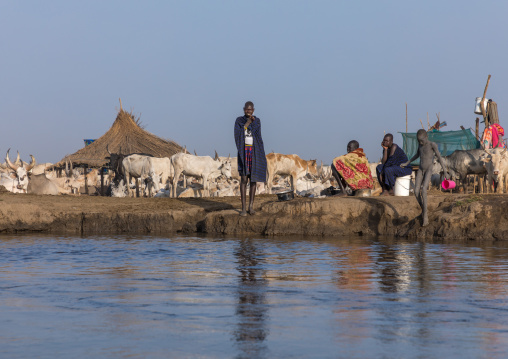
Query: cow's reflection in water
[{"x": 251, "y": 309}]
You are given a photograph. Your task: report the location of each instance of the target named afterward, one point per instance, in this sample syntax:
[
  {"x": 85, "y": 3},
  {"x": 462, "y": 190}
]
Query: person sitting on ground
[
  {"x": 426, "y": 151},
  {"x": 352, "y": 170},
  {"x": 390, "y": 169}
]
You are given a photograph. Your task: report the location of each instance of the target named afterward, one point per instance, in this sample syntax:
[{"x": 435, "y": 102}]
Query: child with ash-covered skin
[{"x": 426, "y": 151}]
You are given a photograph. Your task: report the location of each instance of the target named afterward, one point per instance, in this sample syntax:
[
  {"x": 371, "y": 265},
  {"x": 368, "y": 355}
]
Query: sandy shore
[{"x": 471, "y": 217}]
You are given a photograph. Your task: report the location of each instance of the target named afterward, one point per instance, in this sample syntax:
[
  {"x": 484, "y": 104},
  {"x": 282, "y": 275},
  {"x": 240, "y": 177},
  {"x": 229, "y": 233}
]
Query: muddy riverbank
[{"x": 474, "y": 217}]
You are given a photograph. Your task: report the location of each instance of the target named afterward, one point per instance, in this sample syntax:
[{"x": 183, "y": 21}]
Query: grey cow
[
  {"x": 462, "y": 163},
  {"x": 40, "y": 184}
]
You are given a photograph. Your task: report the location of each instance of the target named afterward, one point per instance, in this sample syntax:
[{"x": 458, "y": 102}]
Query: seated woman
[
  {"x": 389, "y": 169},
  {"x": 352, "y": 170}
]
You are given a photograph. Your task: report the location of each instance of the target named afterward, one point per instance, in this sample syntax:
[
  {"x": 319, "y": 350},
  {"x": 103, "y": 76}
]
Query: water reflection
[
  {"x": 251, "y": 308},
  {"x": 251, "y": 298}
]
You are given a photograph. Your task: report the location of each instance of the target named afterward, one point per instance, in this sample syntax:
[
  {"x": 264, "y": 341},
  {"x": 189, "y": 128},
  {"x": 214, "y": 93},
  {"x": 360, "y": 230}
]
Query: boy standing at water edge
[
  {"x": 426, "y": 152},
  {"x": 251, "y": 155}
]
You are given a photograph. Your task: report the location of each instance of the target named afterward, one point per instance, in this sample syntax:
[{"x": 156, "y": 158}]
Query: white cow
[
  {"x": 41, "y": 168},
  {"x": 17, "y": 180},
  {"x": 496, "y": 163},
  {"x": 204, "y": 167},
  {"x": 139, "y": 166},
  {"x": 164, "y": 169}
]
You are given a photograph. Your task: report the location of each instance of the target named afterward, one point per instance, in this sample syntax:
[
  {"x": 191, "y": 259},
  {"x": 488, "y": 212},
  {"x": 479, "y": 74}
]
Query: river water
[{"x": 209, "y": 297}]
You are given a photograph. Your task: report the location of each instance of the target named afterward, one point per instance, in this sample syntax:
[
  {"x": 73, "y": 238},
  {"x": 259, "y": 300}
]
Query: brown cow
[{"x": 288, "y": 165}]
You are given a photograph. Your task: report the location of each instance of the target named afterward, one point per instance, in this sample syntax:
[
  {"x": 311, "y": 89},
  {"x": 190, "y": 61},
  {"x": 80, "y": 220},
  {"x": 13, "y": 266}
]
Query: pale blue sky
[{"x": 319, "y": 72}]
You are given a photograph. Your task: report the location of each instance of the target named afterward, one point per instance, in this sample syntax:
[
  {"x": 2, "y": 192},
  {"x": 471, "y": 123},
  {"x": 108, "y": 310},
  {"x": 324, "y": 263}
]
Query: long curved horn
[
  {"x": 18, "y": 160},
  {"x": 502, "y": 153},
  {"x": 32, "y": 164},
  {"x": 9, "y": 163}
]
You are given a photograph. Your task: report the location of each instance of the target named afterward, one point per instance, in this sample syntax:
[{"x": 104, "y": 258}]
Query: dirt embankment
[{"x": 481, "y": 217}]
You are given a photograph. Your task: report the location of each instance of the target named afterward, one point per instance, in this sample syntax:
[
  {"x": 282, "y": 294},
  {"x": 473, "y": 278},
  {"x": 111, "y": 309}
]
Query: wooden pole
[
  {"x": 86, "y": 179},
  {"x": 484, "y": 110},
  {"x": 477, "y": 130},
  {"x": 102, "y": 181},
  {"x": 428, "y": 123},
  {"x": 406, "y": 117}
]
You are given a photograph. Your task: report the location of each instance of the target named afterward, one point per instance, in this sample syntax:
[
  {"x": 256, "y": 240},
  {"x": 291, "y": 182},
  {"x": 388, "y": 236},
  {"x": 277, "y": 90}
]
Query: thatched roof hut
[{"x": 124, "y": 137}]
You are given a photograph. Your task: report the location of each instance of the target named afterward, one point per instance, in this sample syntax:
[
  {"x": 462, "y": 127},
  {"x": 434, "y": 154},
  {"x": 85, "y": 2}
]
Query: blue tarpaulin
[{"x": 447, "y": 142}]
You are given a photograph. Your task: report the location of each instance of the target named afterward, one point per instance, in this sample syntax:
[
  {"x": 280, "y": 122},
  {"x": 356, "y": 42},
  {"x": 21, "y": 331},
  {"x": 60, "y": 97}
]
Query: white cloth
[{"x": 249, "y": 140}]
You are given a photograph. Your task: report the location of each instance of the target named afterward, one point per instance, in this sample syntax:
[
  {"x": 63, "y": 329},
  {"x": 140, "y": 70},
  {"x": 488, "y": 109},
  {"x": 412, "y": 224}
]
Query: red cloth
[
  {"x": 497, "y": 135},
  {"x": 248, "y": 158}
]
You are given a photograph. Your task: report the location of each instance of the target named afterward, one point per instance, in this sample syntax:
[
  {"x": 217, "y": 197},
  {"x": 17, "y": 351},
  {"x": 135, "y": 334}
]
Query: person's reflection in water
[
  {"x": 389, "y": 268},
  {"x": 251, "y": 309}
]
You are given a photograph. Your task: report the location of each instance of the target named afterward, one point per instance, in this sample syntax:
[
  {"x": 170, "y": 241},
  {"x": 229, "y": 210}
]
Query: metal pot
[
  {"x": 286, "y": 195},
  {"x": 334, "y": 191}
]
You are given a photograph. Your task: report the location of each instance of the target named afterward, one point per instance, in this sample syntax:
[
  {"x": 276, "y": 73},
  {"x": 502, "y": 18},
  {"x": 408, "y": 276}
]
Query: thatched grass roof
[{"x": 124, "y": 137}]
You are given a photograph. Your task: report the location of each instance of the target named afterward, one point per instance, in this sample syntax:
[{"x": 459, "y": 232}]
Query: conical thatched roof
[{"x": 124, "y": 137}]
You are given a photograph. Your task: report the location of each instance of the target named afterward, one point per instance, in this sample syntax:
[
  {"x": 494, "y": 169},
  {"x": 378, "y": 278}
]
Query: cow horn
[
  {"x": 502, "y": 153},
  {"x": 216, "y": 155},
  {"x": 32, "y": 164},
  {"x": 107, "y": 149},
  {"x": 195, "y": 154},
  {"x": 18, "y": 160},
  {"x": 9, "y": 163},
  {"x": 67, "y": 168}
]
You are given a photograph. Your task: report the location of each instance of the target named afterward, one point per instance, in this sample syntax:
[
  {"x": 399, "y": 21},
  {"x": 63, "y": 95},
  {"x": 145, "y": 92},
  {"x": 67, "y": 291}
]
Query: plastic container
[
  {"x": 477, "y": 108},
  {"x": 402, "y": 185},
  {"x": 448, "y": 184}
]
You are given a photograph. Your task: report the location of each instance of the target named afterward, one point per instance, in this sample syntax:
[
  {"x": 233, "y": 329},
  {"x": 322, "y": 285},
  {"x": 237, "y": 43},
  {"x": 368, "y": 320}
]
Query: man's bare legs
[
  {"x": 243, "y": 195},
  {"x": 252, "y": 194}
]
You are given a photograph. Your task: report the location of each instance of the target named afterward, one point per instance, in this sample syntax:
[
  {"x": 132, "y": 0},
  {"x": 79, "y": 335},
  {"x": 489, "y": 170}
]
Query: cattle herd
[{"x": 186, "y": 175}]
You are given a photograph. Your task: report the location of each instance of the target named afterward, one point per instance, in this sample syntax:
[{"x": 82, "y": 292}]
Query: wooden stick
[
  {"x": 120, "y": 104},
  {"x": 406, "y": 117},
  {"x": 428, "y": 123},
  {"x": 484, "y": 110},
  {"x": 477, "y": 131}
]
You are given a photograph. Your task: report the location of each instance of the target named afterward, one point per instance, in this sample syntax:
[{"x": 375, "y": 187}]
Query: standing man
[
  {"x": 251, "y": 155},
  {"x": 390, "y": 169}
]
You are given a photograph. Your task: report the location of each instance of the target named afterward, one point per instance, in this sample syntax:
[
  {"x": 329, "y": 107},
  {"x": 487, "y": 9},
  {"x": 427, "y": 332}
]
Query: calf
[
  {"x": 204, "y": 167},
  {"x": 289, "y": 165},
  {"x": 496, "y": 163}
]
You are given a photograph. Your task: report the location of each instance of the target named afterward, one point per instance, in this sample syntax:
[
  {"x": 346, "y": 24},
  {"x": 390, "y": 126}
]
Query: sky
[{"x": 320, "y": 73}]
